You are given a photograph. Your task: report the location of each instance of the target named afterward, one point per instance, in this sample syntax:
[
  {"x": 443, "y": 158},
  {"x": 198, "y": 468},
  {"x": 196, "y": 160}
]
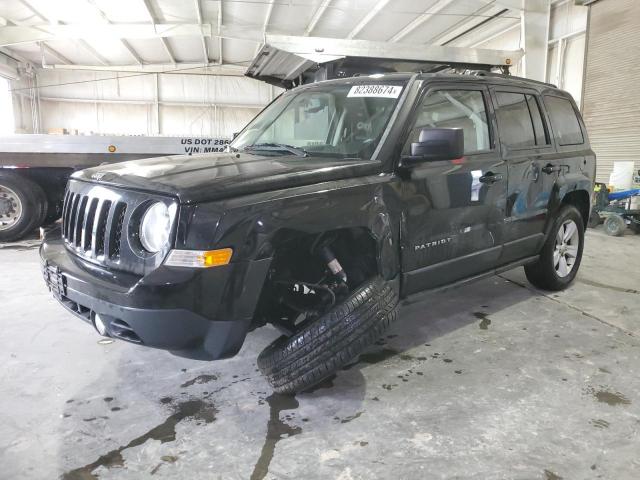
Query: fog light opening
[{"x": 100, "y": 325}]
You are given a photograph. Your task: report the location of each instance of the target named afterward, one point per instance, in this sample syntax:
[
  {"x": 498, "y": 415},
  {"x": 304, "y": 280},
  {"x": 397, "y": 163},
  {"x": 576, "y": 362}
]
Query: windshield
[{"x": 342, "y": 121}]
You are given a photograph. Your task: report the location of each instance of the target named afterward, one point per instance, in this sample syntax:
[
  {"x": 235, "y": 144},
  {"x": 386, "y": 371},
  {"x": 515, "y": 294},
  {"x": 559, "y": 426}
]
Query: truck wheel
[
  {"x": 295, "y": 363},
  {"x": 615, "y": 226},
  {"x": 561, "y": 254},
  {"x": 635, "y": 227},
  {"x": 23, "y": 206}
]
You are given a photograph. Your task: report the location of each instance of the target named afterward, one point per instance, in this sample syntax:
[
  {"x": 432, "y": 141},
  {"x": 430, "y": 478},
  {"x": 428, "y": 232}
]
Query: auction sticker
[{"x": 384, "y": 91}]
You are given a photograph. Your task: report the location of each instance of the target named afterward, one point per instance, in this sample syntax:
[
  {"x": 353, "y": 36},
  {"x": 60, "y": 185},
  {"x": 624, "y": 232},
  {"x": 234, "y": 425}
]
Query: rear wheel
[
  {"x": 321, "y": 347},
  {"x": 561, "y": 254},
  {"x": 615, "y": 226},
  {"x": 23, "y": 206}
]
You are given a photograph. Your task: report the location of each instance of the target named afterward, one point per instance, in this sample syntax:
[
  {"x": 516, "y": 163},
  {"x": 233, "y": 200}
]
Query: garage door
[{"x": 611, "y": 105}]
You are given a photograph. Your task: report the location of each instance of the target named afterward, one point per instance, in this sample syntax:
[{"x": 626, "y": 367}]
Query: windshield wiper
[{"x": 278, "y": 147}]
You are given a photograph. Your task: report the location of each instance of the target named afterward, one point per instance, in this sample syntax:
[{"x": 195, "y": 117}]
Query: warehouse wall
[
  {"x": 138, "y": 104},
  {"x": 565, "y": 62},
  {"x": 207, "y": 105},
  {"x": 6, "y": 108}
]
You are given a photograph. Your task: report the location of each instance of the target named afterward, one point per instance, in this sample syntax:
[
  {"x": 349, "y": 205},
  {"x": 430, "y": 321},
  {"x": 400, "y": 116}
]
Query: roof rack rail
[{"x": 489, "y": 73}]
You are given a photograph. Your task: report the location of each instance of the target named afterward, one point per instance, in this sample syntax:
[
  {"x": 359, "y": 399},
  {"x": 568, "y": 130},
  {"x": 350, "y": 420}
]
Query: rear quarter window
[{"x": 564, "y": 121}]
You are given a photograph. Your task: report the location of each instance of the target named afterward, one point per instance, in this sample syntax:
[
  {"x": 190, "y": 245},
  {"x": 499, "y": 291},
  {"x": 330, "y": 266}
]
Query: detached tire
[
  {"x": 561, "y": 254},
  {"x": 23, "y": 206},
  {"x": 293, "y": 364}
]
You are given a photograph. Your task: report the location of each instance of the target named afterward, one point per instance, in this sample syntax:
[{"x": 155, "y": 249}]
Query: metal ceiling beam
[
  {"x": 516, "y": 5},
  {"x": 367, "y": 18},
  {"x": 420, "y": 19},
  {"x": 316, "y": 17},
  {"x": 93, "y": 52},
  {"x": 477, "y": 26},
  {"x": 265, "y": 25},
  {"x": 461, "y": 26},
  {"x": 497, "y": 34},
  {"x": 163, "y": 40},
  {"x": 125, "y": 44},
  {"x": 54, "y": 53},
  {"x": 203, "y": 40},
  {"x": 47, "y": 48},
  {"x": 5, "y": 52},
  {"x": 326, "y": 49},
  {"x": 51, "y": 51},
  {"x": 9, "y": 62},
  {"x": 12, "y": 35},
  {"x": 181, "y": 68}
]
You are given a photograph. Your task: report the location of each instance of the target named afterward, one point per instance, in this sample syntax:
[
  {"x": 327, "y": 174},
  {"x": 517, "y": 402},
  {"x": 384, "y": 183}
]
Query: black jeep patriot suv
[{"x": 339, "y": 199}]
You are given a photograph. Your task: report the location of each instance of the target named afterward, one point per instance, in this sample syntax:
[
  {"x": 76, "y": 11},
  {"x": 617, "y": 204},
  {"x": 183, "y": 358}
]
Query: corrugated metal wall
[{"x": 611, "y": 106}]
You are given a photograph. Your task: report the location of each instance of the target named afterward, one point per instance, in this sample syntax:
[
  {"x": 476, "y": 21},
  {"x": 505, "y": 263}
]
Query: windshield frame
[{"x": 404, "y": 81}]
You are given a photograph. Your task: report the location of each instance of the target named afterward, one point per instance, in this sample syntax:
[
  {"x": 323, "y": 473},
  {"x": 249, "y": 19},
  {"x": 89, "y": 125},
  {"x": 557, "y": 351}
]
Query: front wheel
[
  {"x": 561, "y": 254},
  {"x": 321, "y": 348}
]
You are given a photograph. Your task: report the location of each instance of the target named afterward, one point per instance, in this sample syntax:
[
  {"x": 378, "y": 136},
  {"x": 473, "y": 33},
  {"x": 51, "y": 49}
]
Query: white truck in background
[{"x": 34, "y": 170}]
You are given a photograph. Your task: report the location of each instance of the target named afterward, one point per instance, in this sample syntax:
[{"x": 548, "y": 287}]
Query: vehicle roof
[
  {"x": 488, "y": 77},
  {"x": 482, "y": 77}
]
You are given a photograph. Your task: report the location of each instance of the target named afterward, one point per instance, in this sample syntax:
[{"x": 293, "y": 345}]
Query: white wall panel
[
  {"x": 574, "y": 67},
  {"x": 95, "y": 85},
  {"x": 234, "y": 119},
  {"x": 195, "y": 121},
  {"x": 125, "y": 104},
  {"x": 567, "y": 18},
  {"x": 69, "y": 116},
  {"x": 124, "y": 119}
]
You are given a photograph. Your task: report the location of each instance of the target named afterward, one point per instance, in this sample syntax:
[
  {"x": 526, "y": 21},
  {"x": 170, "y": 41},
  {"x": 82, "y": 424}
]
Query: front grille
[
  {"x": 116, "y": 241},
  {"x": 99, "y": 225},
  {"x": 92, "y": 225}
]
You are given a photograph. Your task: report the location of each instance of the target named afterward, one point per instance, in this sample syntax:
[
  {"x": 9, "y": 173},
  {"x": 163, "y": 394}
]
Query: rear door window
[
  {"x": 514, "y": 120},
  {"x": 564, "y": 120},
  {"x": 538, "y": 123}
]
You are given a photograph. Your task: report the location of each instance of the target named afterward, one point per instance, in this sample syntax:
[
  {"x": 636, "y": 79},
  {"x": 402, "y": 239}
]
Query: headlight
[{"x": 155, "y": 227}]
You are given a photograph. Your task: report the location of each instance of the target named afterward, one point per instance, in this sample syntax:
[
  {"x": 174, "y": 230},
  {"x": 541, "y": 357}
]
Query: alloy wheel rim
[
  {"x": 565, "y": 252},
  {"x": 10, "y": 208}
]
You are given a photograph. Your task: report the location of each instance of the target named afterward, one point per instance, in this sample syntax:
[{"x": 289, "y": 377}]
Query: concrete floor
[{"x": 494, "y": 380}]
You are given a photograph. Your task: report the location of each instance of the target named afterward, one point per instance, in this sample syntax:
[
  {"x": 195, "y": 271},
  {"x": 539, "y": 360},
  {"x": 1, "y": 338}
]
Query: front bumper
[{"x": 195, "y": 313}]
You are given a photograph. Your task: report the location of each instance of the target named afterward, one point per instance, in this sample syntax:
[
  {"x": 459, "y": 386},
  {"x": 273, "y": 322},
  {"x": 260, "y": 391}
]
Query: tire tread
[{"x": 295, "y": 363}]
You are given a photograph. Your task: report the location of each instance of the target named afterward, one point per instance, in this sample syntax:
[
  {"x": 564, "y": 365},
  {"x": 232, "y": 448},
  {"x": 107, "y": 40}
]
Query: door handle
[
  {"x": 549, "y": 169},
  {"x": 491, "y": 177}
]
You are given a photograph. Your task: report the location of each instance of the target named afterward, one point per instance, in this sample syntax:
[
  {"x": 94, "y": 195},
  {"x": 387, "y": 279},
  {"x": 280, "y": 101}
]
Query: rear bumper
[{"x": 195, "y": 313}]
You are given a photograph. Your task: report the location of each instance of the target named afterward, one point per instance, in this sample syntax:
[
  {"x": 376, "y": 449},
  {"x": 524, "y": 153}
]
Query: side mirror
[{"x": 436, "y": 144}]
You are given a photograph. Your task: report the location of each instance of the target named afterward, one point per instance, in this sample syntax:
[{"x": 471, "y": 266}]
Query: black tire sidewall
[
  {"x": 542, "y": 273},
  {"x": 618, "y": 224},
  {"x": 323, "y": 346},
  {"x": 33, "y": 206},
  {"x": 594, "y": 220},
  {"x": 567, "y": 213}
]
